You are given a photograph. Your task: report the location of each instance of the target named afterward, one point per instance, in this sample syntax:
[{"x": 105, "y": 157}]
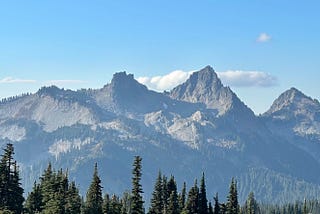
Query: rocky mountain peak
[
  {"x": 293, "y": 100},
  {"x": 204, "y": 86},
  {"x": 123, "y": 84}
]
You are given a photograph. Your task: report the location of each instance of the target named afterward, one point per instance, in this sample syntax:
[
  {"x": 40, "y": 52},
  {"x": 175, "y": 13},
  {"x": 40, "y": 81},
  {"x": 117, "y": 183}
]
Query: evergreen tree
[
  {"x": 94, "y": 198},
  {"x": 210, "y": 208},
  {"x": 165, "y": 194},
  {"x": 156, "y": 205},
  {"x": 232, "y": 204},
  {"x": 73, "y": 205},
  {"x": 203, "y": 206},
  {"x": 11, "y": 192},
  {"x": 137, "y": 201},
  {"x": 106, "y": 204},
  {"x": 115, "y": 205},
  {"x": 216, "y": 204},
  {"x": 182, "y": 197},
  {"x": 173, "y": 203},
  {"x": 34, "y": 200},
  {"x": 251, "y": 206},
  {"x": 126, "y": 203},
  {"x": 47, "y": 186},
  {"x": 192, "y": 204}
]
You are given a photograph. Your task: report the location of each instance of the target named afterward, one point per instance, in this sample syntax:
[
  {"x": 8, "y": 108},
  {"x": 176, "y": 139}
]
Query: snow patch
[
  {"x": 65, "y": 146},
  {"x": 13, "y": 133}
]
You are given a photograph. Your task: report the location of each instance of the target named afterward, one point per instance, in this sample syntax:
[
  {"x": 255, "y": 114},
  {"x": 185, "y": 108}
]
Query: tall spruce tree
[
  {"x": 137, "y": 201},
  {"x": 34, "y": 200},
  {"x": 203, "y": 202},
  {"x": 73, "y": 204},
  {"x": 11, "y": 192},
  {"x": 250, "y": 206},
  {"x": 210, "y": 208},
  {"x": 94, "y": 198},
  {"x": 216, "y": 205},
  {"x": 192, "y": 204},
  {"x": 232, "y": 203},
  {"x": 182, "y": 197},
  {"x": 156, "y": 205}
]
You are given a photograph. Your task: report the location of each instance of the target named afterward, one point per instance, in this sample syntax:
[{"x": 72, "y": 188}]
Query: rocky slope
[{"x": 200, "y": 125}]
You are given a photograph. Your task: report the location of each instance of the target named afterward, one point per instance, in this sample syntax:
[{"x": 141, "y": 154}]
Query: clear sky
[{"x": 267, "y": 46}]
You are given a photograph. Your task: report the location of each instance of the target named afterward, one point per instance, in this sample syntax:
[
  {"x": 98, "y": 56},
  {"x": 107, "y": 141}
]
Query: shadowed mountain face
[{"x": 200, "y": 125}]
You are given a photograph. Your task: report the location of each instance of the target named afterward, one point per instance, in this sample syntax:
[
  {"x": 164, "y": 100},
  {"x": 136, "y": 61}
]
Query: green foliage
[
  {"x": 94, "y": 198},
  {"x": 11, "y": 192},
  {"x": 137, "y": 201},
  {"x": 192, "y": 204},
  {"x": 156, "y": 205},
  {"x": 203, "y": 202},
  {"x": 232, "y": 203},
  {"x": 250, "y": 206},
  {"x": 34, "y": 200}
]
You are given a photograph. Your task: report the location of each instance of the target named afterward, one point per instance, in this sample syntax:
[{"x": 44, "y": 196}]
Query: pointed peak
[{"x": 292, "y": 99}]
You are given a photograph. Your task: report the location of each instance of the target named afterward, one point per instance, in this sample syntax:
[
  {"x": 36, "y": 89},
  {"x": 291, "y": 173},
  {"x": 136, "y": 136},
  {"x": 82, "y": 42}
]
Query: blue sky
[{"x": 80, "y": 44}]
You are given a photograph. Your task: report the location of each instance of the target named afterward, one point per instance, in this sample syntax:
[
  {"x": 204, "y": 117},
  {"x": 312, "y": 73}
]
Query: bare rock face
[{"x": 200, "y": 125}]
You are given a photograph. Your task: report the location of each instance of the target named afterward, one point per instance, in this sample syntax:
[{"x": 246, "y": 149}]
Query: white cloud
[
  {"x": 231, "y": 78},
  {"x": 263, "y": 37},
  {"x": 13, "y": 80},
  {"x": 247, "y": 79},
  {"x": 166, "y": 82}
]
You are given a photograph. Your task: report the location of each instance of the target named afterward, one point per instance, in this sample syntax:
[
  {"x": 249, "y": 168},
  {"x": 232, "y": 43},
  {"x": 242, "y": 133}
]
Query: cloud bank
[
  {"x": 247, "y": 79},
  {"x": 230, "y": 78},
  {"x": 263, "y": 37},
  {"x": 14, "y": 80},
  {"x": 166, "y": 82}
]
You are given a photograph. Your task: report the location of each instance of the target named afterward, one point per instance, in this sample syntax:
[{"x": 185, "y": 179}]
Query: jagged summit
[
  {"x": 204, "y": 86},
  {"x": 293, "y": 100}
]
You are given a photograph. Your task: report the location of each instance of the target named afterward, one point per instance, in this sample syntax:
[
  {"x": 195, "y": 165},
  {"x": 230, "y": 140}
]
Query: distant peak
[
  {"x": 291, "y": 98},
  {"x": 122, "y": 76}
]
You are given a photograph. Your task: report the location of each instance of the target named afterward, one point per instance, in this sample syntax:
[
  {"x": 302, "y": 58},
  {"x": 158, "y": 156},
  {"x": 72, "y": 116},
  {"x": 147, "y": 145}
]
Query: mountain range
[{"x": 199, "y": 126}]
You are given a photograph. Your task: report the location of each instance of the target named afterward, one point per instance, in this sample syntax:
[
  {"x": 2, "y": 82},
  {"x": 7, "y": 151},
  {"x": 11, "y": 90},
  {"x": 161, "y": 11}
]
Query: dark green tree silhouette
[
  {"x": 34, "y": 200},
  {"x": 232, "y": 203},
  {"x": 156, "y": 205},
  {"x": 136, "y": 193},
  {"x": 192, "y": 204},
  {"x": 11, "y": 192},
  {"x": 203, "y": 202},
  {"x": 94, "y": 200}
]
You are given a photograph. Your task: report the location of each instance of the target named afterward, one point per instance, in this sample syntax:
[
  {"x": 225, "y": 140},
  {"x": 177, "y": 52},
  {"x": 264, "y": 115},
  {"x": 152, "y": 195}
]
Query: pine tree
[
  {"x": 156, "y": 205},
  {"x": 47, "y": 186},
  {"x": 115, "y": 205},
  {"x": 232, "y": 204},
  {"x": 192, "y": 204},
  {"x": 137, "y": 201},
  {"x": 182, "y": 197},
  {"x": 126, "y": 203},
  {"x": 210, "y": 208},
  {"x": 251, "y": 206},
  {"x": 216, "y": 204},
  {"x": 203, "y": 206},
  {"x": 94, "y": 198},
  {"x": 11, "y": 192},
  {"x": 16, "y": 199},
  {"x": 73, "y": 204},
  {"x": 173, "y": 204},
  {"x": 165, "y": 194},
  {"x": 34, "y": 200},
  {"x": 106, "y": 204}
]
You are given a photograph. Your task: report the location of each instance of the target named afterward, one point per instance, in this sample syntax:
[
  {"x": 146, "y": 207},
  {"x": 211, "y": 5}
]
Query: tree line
[{"x": 55, "y": 194}]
